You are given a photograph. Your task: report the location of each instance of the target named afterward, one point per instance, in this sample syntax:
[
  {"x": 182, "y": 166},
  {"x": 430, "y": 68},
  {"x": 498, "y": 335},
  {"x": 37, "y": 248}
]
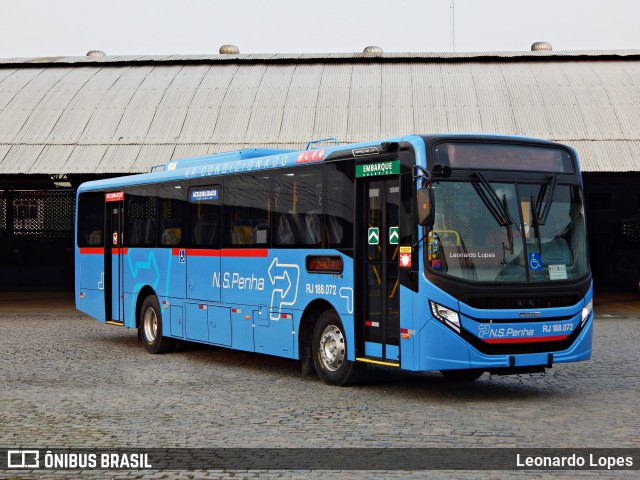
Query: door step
[{"x": 375, "y": 361}]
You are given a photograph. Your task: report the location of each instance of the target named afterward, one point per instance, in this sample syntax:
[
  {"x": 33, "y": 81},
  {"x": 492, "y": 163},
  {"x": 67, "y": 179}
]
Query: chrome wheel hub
[
  {"x": 332, "y": 348},
  {"x": 150, "y": 324}
]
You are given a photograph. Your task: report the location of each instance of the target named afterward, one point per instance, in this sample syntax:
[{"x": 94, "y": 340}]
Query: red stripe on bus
[
  {"x": 202, "y": 252},
  {"x": 92, "y": 251},
  {"x": 228, "y": 252},
  {"x": 246, "y": 252},
  {"x": 191, "y": 252},
  {"x": 525, "y": 340}
]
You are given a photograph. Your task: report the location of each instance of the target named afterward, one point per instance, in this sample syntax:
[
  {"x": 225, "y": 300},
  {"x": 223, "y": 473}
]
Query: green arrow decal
[
  {"x": 394, "y": 235},
  {"x": 373, "y": 236}
]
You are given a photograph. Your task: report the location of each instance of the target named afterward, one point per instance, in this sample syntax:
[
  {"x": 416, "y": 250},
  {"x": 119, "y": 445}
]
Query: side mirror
[
  {"x": 425, "y": 207},
  {"x": 440, "y": 170}
]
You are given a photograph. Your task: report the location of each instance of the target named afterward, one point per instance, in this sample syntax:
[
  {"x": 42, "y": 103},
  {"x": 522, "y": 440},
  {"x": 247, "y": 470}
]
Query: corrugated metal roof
[
  {"x": 322, "y": 57},
  {"x": 124, "y": 114}
]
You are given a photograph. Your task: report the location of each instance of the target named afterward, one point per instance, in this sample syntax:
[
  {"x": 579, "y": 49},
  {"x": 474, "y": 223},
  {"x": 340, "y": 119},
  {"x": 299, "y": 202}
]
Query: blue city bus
[{"x": 462, "y": 254}]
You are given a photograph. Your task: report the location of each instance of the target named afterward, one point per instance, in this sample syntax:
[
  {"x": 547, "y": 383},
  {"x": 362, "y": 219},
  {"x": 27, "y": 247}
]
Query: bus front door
[
  {"x": 113, "y": 259},
  {"x": 377, "y": 282}
]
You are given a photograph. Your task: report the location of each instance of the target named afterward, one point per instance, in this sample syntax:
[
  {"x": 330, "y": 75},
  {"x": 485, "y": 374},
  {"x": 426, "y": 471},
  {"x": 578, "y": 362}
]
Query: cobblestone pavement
[{"x": 69, "y": 381}]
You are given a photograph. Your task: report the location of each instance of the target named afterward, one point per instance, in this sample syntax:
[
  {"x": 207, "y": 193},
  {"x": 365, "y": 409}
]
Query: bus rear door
[{"x": 113, "y": 258}]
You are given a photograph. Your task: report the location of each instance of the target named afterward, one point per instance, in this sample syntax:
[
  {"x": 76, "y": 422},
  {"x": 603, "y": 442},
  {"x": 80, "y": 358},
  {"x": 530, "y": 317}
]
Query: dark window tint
[
  {"x": 313, "y": 207},
  {"x": 90, "y": 219},
  {"x": 171, "y": 215},
  {"x": 338, "y": 204},
  {"x": 246, "y": 201},
  {"x": 297, "y": 207},
  {"x": 140, "y": 218},
  {"x": 204, "y": 216}
]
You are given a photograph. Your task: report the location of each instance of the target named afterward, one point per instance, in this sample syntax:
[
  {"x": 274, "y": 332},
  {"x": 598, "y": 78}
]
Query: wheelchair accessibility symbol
[{"x": 535, "y": 261}]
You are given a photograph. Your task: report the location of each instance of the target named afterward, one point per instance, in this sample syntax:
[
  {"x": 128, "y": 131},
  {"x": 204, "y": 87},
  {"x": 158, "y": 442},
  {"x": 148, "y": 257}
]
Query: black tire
[
  {"x": 150, "y": 327},
  {"x": 462, "y": 375},
  {"x": 329, "y": 352}
]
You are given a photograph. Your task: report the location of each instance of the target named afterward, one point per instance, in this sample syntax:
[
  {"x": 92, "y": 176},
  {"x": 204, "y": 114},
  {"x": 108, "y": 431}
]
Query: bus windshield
[{"x": 508, "y": 232}]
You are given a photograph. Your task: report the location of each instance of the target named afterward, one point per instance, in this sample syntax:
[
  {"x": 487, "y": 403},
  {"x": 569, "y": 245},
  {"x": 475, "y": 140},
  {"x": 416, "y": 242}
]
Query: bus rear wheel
[
  {"x": 329, "y": 351},
  {"x": 150, "y": 327}
]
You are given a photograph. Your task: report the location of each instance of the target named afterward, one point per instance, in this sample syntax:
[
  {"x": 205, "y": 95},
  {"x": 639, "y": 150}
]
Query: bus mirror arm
[
  {"x": 440, "y": 170},
  {"x": 420, "y": 172},
  {"x": 413, "y": 247},
  {"x": 424, "y": 202}
]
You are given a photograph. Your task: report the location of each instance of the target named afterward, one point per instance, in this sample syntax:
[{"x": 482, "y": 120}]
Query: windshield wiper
[
  {"x": 542, "y": 211},
  {"x": 491, "y": 200},
  {"x": 505, "y": 207},
  {"x": 536, "y": 222},
  {"x": 499, "y": 209}
]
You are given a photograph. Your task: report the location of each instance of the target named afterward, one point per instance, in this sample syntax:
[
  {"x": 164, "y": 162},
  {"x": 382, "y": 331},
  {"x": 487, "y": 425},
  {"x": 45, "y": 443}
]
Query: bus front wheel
[
  {"x": 329, "y": 351},
  {"x": 150, "y": 327}
]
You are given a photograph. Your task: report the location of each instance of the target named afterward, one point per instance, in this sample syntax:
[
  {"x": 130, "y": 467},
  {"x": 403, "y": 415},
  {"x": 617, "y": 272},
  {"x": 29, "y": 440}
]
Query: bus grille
[{"x": 520, "y": 301}]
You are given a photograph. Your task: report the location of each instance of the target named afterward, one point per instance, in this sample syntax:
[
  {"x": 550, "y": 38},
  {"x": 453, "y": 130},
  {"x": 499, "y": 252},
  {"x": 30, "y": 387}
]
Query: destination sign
[
  {"x": 379, "y": 168},
  {"x": 114, "y": 196}
]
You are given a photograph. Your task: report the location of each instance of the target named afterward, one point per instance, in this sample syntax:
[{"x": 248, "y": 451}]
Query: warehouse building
[{"x": 64, "y": 120}]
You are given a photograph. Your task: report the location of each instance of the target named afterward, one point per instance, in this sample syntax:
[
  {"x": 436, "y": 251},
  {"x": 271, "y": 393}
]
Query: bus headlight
[
  {"x": 445, "y": 315},
  {"x": 586, "y": 311}
]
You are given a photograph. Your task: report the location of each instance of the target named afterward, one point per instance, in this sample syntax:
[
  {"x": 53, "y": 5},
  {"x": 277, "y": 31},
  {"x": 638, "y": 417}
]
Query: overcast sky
[{"x": 37, "y": 28}]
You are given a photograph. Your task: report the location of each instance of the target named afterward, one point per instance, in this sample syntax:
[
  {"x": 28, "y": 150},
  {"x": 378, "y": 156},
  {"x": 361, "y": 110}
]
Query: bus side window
[
  {"x": 204, "y": 216},
  {"x": 90, "y": 219},
  {"x": 311, "y": 204},
  {"x": 312, "y": 207},
  {"x": 140, "y": 218},
  {"x": 338, "y": 205},
  {"x": 171, "y": 236},
  {"x": 247, "y": 214},
  {"x": 205, "y": 229},
  {"x": 313, "y": 228},
  {"x": 171, "y": 216},
  {"x": 287, "y": 211}
]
